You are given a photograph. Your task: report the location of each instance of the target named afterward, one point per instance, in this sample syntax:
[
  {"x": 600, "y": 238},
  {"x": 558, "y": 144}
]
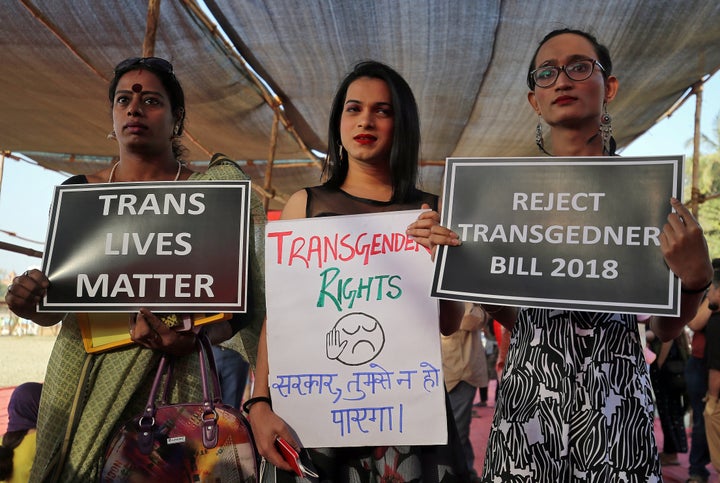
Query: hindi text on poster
[{"x": 353, "y": 335}]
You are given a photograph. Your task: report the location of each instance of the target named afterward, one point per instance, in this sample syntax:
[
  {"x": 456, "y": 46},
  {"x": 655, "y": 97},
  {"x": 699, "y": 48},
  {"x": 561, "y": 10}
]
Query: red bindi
[{"x": 137, "y": 87}]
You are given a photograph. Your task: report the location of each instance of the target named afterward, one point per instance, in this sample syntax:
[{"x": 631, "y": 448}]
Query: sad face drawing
[{"x": 355, "y": 339}]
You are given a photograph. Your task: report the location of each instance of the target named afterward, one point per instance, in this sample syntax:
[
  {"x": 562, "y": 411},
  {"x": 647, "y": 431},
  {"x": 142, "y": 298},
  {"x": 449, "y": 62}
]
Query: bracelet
[
  {"x": 249, "y": 403},
  {"x": 699, "y": 290}
]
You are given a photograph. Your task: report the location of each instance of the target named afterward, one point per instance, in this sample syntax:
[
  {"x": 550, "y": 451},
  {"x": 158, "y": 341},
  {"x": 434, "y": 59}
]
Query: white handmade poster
[{"x": 353, "y": 335}]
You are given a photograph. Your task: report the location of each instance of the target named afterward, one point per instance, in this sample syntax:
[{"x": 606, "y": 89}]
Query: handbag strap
[
  {"x": 211, "y": 397},
  {"x": 161, "y": 371},
  {"x": 164, "y": 373},
  {"x": 210, "y": 415},
  {"x": 207, "y": 346},
  {"x": 147, "y": 420},
  {"x": 203, "y": 353},
  {"x": 165, "y": 399}
]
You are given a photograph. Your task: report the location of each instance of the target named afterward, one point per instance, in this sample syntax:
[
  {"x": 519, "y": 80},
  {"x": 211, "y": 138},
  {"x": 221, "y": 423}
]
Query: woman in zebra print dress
[{"x": 575, "y": 402}]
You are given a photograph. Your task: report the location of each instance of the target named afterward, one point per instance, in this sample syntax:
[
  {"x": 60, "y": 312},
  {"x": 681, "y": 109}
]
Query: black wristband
[
  {"x": 698, "y": 290},
  {"x": 248, "y": 404}
]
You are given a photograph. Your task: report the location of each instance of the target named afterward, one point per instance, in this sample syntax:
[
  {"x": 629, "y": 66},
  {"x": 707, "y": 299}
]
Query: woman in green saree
[{"x": 86, "y": 396}]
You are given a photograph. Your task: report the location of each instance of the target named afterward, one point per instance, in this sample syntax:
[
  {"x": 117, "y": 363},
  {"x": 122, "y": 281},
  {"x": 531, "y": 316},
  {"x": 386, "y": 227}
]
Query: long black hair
[
  {"x": 406, "y": 133},
  {"x": 10, "y": 441},
  {"x": 164, "y": 71}
]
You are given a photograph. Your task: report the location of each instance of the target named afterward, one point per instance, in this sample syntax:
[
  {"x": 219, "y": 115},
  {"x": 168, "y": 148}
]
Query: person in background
[
  {"x": 696, "y": 378},
  {"x": 503, "y": 348},
  {"x": 711, "y": 413},
  {"x": 371, "y": 167},
  {"x": 17, "y": 450},
  {"x": 667, "y": 375},
  {"x": 575, "y": 401},
  {"x": 465, "y": 370},
  {"x": 482, "y": 390},
  {"x": 233, "y": 371},
  {"x": 86, "y": 396},
  {"x": 492, "y": 351}
]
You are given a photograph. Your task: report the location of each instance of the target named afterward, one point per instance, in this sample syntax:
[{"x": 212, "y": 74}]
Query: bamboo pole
[
  {"x": 18, "y": 249},
  {"x": 697, "y": 88},
  {"x": 271, "y": 159},
  {"x": 53, "y": 30},
  {"x": 271, "y": 99},
  {"x": 680, "y": 102},
  {"x": 151, "y": 23},
  {"x": 2, "y": 168},
  {"x": 148, "y": 48}
]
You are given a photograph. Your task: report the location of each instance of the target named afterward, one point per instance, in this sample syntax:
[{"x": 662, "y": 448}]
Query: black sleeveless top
[{"x": 325, "y": 201}]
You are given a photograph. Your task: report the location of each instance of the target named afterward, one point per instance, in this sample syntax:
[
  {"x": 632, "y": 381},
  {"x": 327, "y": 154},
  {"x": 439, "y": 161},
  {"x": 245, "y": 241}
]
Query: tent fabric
[
  {"x": 466, "y": 61},
  {"x": 54, "y": 96}
]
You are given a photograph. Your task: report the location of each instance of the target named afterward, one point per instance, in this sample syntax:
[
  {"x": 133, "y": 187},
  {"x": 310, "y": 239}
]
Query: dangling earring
[
  {"x": 111, "y": 135},
  {"x": 539, "y": 136},
  {"x": 606, "y": 131},
  {"x": 176, "y": 130},
  {"x": 340, "y": 151}
]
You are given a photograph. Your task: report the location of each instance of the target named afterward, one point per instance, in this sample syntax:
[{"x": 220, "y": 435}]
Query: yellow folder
[{"x": 103, "y": 331}]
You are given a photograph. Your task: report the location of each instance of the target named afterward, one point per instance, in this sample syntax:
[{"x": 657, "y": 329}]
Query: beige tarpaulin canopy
[{"x": 465, "y": 59}]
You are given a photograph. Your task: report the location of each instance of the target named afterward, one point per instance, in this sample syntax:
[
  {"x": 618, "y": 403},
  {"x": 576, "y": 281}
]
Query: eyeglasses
[
  {"x": 580, "y": 70},
  {"x": 155, "y": 63}
]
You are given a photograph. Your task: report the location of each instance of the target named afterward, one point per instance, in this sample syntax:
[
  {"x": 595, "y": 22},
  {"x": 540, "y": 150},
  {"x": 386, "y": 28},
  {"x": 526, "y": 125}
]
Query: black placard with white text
[
  {"x": 166, "y": 246},
  {"x": 572, "y": 233}
]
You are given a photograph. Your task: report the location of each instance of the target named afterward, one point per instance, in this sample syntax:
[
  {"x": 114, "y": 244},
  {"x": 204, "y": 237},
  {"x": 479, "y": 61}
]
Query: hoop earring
[
  {"x": 111, "y": 135},
  {"x": 606, "y": 131}
]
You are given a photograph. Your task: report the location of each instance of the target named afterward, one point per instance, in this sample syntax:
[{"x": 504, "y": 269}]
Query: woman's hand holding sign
[
  {"x": 685, "y": 249},
  {"x": 149, "y": 331},
  {"x": 24, "y": 294},
  {"x": 428, "y": 232}
]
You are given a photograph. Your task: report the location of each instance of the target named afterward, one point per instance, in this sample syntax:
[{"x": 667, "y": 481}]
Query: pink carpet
[{"x": 5, "y": 393}]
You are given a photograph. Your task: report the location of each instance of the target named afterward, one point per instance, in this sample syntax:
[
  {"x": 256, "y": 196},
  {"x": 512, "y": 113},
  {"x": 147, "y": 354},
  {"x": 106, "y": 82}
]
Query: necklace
[{"x": 112, "y": 171}]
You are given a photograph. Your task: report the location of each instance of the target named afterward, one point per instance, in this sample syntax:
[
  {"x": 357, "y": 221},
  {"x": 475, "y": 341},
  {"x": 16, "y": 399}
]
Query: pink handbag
[{"x": 206, "y": 441}]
